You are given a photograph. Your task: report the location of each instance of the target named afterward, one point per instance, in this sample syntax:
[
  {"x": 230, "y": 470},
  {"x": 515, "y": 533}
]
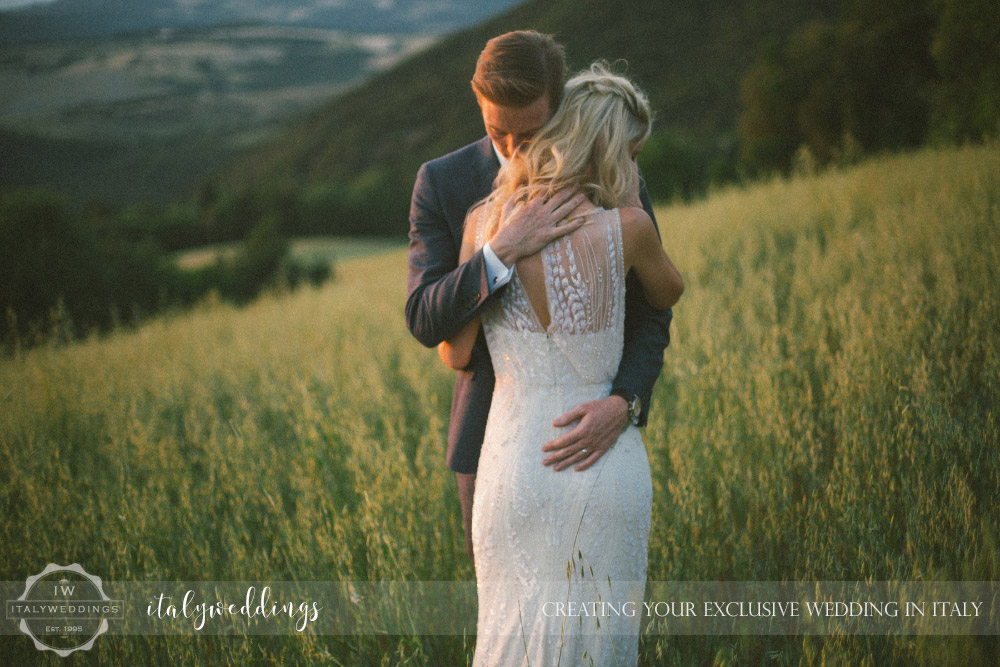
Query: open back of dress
[{"x": 560, "y": 556}]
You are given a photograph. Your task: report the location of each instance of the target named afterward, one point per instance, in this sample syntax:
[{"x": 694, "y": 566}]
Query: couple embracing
[{"x": 536, "y": 268}]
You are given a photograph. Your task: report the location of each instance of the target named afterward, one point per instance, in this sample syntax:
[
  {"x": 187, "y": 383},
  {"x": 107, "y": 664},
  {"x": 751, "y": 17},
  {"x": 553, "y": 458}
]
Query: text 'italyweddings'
[{"x": 302, "y": 613}]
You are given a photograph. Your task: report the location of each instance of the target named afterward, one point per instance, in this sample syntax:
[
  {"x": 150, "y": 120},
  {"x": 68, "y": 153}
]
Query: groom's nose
[{"x": 510, "y": 145}]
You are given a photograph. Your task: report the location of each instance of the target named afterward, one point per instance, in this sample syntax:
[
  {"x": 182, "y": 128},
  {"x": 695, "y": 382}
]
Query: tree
[
  {"x": 861, "y": 80},
  {"x": 966, "y": 50}
]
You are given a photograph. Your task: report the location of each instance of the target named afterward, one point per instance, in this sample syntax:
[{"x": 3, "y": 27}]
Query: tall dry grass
[{"x": 828, "y": 411}]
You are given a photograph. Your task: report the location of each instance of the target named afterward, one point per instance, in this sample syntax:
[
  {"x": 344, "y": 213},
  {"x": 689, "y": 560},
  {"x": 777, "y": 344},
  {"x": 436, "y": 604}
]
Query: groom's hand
[
  {"x": 527, "y": 228},
  {"x": 598, "y": 425}
]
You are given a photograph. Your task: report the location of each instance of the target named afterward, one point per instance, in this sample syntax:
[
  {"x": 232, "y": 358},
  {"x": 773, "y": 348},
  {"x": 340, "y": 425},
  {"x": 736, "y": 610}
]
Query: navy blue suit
[{"x": 442, "y": 297}]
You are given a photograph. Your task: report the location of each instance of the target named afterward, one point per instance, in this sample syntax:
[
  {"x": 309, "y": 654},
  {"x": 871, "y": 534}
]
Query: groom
[{"x": 518, "y": 82}]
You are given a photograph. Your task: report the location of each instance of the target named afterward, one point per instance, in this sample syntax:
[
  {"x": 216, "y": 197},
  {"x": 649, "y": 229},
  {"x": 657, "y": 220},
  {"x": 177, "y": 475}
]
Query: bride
[{"x": 561, "y": 556}]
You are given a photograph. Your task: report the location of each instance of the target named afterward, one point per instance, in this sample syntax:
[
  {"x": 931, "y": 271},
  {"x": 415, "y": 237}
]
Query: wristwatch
[{"x": 634, "y": 405}]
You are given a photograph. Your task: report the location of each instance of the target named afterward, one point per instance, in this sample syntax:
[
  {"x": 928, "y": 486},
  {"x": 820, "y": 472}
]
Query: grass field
[
  {"x": 827, "y": 411},
  {"x": 310, "y": 249}
]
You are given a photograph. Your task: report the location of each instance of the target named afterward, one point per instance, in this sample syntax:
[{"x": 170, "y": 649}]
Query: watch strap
[{"x": 634, "y": 404}]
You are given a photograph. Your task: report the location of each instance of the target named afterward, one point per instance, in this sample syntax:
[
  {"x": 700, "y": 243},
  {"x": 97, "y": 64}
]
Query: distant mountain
[
  {"x": 72, "y": 19},
  {"x": 135, "y": 101},
  {"x": 140, "y": 118}
]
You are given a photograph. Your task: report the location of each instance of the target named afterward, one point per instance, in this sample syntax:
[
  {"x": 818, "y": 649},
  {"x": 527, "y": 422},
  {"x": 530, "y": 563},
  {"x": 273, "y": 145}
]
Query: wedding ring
[{"x": 584, "y": 450}]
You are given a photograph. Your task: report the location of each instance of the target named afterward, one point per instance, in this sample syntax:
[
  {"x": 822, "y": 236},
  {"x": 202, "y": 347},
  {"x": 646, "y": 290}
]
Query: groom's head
[{"x": 518, "y": 82}]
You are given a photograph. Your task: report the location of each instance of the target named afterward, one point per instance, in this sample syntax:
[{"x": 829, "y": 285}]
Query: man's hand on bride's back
[
  {"x": 598, "y": 425},
  {"x": 527, "y": 228}
]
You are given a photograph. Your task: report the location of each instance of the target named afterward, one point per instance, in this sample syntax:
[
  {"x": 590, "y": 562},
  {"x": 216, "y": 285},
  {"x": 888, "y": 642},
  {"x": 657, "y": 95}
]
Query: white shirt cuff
[{"x": 497, "y": 273}]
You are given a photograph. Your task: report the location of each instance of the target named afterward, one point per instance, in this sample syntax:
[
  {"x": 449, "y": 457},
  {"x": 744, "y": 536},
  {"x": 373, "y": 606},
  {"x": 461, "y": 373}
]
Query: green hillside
[
  {"x": 827, "y": 412},
  {"x": 689, "y": 56},
  {"x": 742, "y": 89}
]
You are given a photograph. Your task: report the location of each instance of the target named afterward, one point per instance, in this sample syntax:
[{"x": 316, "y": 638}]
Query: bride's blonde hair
[{"x": 588, "y": 144}]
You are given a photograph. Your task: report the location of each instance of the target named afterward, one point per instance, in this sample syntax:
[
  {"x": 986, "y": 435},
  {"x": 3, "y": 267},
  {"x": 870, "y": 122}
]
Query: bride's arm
[
  {"x": 661, "y": 281},
  {"x": 456, "y": 351}
]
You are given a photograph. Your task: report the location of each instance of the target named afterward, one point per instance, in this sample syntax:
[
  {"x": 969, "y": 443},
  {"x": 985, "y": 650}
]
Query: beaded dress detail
[{"x": 560, "y": 556}]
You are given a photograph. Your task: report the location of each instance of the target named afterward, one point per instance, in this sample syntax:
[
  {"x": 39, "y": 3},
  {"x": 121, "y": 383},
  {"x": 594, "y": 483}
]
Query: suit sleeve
[
  {"x": 442, "y": 296},
  {"x": 647, "y": 334}
]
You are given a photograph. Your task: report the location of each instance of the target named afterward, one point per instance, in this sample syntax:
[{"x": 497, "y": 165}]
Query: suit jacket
[{"x": 443, "y": 296}]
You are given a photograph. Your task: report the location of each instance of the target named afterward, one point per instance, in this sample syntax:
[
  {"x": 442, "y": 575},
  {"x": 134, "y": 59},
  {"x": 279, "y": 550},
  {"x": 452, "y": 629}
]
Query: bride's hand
[{"x": 598, "y": 425}]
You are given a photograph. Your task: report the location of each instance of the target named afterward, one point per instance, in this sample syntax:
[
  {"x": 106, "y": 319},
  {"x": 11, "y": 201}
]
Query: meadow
[
  {"x": 332, "y": 249},
  {"x": 827, "y": 411}
]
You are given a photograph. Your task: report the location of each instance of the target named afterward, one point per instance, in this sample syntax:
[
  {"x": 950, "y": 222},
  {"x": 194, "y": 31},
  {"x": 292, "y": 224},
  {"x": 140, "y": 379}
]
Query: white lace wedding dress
[{"x": 560, "y": 556}]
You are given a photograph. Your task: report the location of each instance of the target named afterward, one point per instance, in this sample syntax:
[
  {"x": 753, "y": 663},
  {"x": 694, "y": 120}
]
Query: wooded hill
[
  {"x": 357, "y": 157},
  {"x": 740, "y": 89}
]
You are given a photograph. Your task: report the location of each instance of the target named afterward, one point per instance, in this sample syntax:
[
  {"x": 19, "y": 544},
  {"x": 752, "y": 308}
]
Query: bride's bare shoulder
[{"x": 636, "y": 225}]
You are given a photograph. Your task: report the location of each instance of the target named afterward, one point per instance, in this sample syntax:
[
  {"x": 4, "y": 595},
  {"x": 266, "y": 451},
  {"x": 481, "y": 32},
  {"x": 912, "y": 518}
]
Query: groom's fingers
[
  {"x": 566, "y": 205},
  {"x": 598, "y": 424},
  {"x": 561, "y": 448},
  {"x": 581, "y": 458},
  {"x": 573, "y": 454},
  {"x": 563, "y": 198},
  {"x": 558, "y": 445},
  {"x": 528, "y": 226},
  {"x": 589, "y": 461},
  {"x": 568, "y": 418},
  {"x": 569, "y": 448},
  {"x": 507, "y": 207}
]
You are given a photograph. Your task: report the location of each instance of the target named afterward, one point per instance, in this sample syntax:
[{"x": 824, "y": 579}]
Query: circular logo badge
[{"x": 64, "y": 609}]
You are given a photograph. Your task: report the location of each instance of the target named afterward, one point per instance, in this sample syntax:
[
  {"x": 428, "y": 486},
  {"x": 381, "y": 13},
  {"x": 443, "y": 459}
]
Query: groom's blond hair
[{"x": 517, "y": 68}]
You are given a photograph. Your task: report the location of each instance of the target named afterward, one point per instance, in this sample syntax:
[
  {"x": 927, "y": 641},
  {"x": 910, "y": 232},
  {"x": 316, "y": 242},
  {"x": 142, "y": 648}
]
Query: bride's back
[
  {"x": 578, "y": 272},
  {"x": 565, "y": 301}
]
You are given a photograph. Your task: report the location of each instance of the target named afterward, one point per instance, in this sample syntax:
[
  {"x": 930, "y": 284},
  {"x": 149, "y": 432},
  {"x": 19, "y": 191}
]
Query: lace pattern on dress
[
  {"x": 533, "y": 526},
  {"x": 585, "y": 294}
]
